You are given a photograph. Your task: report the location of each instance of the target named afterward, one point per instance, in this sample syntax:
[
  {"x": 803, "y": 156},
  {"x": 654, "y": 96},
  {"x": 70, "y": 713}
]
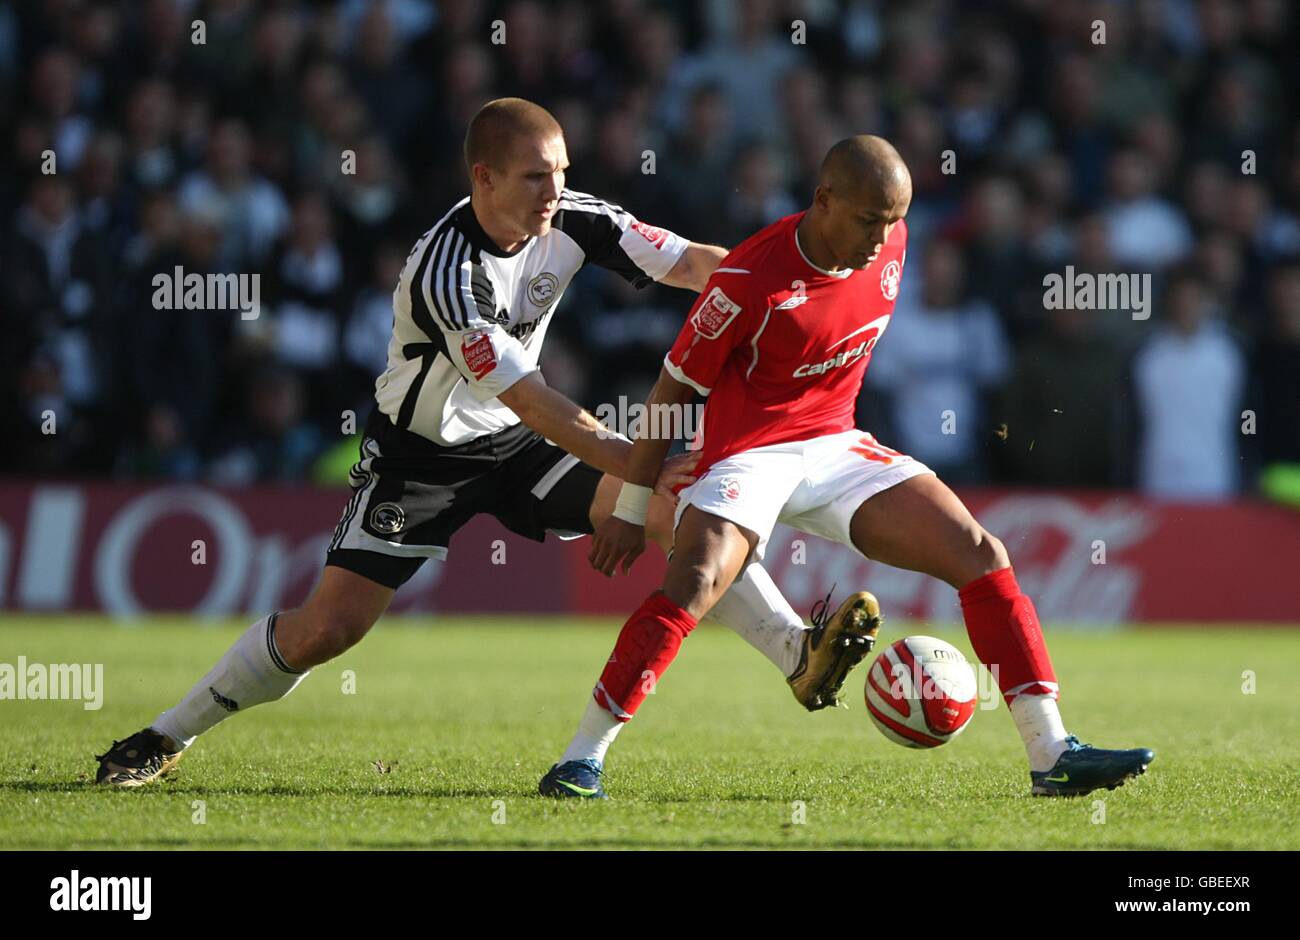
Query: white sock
[
  {"x": 1039, "y": 722},
  {"x": 250, "y": 673},
  {"x": 756, "y": 609},
  {"x": 596, "y": 732}
]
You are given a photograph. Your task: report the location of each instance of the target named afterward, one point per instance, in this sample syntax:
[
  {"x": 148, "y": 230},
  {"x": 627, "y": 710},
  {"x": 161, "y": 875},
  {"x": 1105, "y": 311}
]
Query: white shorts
[{"x": 815, "y": 486}]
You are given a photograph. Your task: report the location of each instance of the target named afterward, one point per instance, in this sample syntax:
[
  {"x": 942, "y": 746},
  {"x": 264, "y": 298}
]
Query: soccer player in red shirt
[{"x": 779, "y": 340}]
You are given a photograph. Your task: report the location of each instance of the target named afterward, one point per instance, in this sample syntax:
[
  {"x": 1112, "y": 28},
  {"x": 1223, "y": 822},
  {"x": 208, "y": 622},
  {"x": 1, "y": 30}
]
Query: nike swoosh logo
[
  {"x": 581, "y": 791},
  {"x": 1064, "y": 778}
]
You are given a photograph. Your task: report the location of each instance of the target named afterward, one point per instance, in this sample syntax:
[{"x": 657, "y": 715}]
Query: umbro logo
[{"x": 793, "y": 301}]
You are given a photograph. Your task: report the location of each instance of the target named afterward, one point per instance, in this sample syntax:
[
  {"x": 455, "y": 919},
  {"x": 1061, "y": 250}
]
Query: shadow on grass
[
  {"x": 168, "y": 788},
  {"x": 452, "y": 844},
  {"x": 461, "y": 844},
  {"x": 430, "y": 791}
]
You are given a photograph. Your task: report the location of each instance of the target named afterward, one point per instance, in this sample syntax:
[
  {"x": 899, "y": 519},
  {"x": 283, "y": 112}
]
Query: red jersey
[{"x": 780, "y": 346}]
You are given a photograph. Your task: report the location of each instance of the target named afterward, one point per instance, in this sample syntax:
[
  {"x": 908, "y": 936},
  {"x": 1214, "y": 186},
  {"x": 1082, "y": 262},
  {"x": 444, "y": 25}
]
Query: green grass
[{"x": 472, "y": 711}]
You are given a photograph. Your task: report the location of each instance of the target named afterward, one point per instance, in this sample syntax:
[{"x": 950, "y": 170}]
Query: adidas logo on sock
[{"x": 229, "y": 704}]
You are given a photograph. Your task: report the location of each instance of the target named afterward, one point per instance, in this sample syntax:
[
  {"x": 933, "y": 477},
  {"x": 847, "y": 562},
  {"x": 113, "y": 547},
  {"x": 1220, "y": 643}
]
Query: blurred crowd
[{"x": 1171, "y": 148}]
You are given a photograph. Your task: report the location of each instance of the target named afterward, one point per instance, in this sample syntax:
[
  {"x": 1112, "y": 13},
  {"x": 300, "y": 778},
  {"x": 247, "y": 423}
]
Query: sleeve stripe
[
  {"x": 422, "y": 310},
  {"x": 460, "y": 278},
  {"x": 432, "y": 262},
  {"x": 447, "y": 272},
  {"x": 439, "y": 279},
  {"x": 682, "y": 377},
  {"x": 419, "y": 302},
  {"x": 465, "y": 278},
  {"x": 754, "y": 344},
  {"x": 451, "y": 276},
  {"x": 584, "y": 199},
  {"x": 731, "y": 271},
  {"x": 453, "y": 290},
  {"x": 481, "y": 292}
]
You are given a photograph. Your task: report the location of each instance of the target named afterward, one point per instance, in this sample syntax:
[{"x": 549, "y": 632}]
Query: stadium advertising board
[{"x": 1086, "y": 558}]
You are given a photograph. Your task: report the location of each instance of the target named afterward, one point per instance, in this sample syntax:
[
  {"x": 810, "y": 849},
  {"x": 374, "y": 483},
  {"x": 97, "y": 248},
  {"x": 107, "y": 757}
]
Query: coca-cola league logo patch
[
  {"x": 651, "y": 233},
  {"x": 714, "y": 314},
  {"x": 480, "y": 357}
]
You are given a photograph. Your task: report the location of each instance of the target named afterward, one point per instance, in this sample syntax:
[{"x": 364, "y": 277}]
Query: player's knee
[
  {"x": 697, "y": 580},
  {"x": 983, "y": 555},
  {"x": 332, "y": 633},
  {"x": 696, "y": 586},
  {"x": 991, "y": 554}
]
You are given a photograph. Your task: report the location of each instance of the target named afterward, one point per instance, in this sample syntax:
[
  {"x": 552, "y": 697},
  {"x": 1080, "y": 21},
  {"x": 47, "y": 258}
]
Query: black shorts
[{"x": 410, "y": 495}]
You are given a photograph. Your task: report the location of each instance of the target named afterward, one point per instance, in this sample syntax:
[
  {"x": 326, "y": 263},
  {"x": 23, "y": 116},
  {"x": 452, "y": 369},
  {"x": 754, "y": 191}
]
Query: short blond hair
[{"x": 498, "y": 124}]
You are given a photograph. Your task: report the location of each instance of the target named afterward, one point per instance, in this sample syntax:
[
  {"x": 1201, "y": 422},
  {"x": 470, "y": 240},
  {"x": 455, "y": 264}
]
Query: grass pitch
[{"x": 452, "y": 722}]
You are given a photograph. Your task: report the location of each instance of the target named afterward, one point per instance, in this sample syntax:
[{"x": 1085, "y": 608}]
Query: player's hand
[
  {"x": 676, "y": 473},
  {"x": 614, "y": 541}
]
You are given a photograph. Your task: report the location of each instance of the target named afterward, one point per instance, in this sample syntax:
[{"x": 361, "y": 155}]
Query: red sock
[
  {"x": 646, "y": 646},
  {"x": 1003, "y": 628}
]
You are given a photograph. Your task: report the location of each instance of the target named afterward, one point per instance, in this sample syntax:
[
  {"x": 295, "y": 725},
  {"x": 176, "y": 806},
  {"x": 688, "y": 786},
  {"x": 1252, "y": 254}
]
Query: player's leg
[
  {"x": 389, "y": 527},
  {"x": 337, "y": 615},
  {"x": 920, "y": 524},
  {"x": 752, "y": 606},
  {"x": 708, "y": 554},
  {"x": 274, "y": 654},
  {"x": 265, "y": 664}
]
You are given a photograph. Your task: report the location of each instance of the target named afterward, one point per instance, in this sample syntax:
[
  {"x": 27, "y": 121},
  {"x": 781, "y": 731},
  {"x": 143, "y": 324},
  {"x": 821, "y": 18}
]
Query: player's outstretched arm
[
  {"x": 574, "y": 429},
  {"x": 694, "y": 267},
  {"x": 621, "y": 537},
  {"x": 567, "y": 424}
]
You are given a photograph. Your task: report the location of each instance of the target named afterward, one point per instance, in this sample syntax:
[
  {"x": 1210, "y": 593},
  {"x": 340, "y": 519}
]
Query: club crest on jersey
[
  {"x": 541, "y": 289},
  {"x": 889, "y": 279},
  {"x": 387, "y": 518},
  {"x": 714, "y": 314},
  {"x": 651, "y": 233},
  {"x": 480, "y": 357},
  {"x": 729, "y": 487}
]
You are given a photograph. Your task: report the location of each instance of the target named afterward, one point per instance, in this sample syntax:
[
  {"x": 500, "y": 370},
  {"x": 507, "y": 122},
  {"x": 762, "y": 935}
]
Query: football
[{"x": 921, "y": 692}]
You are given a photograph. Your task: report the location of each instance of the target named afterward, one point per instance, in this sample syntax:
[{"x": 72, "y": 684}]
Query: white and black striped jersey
[{"x": 469, "y": 319}]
